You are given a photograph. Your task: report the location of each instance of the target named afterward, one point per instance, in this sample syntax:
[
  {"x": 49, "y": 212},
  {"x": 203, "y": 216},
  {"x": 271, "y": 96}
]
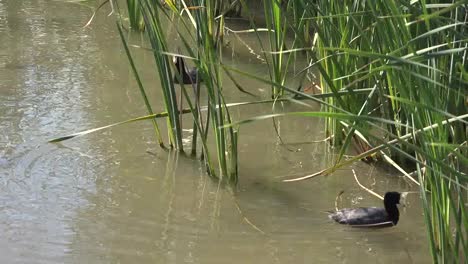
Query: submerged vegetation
[{"x": 393, "y": 81}]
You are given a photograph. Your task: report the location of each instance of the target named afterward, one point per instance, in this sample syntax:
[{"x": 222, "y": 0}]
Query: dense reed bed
[{"x": 413, "y": 56}]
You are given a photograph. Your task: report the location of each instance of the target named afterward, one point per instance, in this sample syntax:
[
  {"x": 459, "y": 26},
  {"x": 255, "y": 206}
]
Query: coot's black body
[
  {"x": 371, "y": 216},
  {"x": 188, "y": 76}
]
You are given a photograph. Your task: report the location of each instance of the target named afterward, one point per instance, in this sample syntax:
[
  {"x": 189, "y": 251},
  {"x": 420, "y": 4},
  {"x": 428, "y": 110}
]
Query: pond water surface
[{"x": 116, "y": 197}]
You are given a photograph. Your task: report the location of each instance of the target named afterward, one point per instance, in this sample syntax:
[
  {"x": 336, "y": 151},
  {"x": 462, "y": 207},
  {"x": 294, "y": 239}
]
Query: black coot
[
  {"x": 188, "y": 76},
  {"x": 371, "y": 216}
]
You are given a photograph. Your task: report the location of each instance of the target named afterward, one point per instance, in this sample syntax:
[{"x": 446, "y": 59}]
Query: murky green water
[{"x": 104, "y": 198}]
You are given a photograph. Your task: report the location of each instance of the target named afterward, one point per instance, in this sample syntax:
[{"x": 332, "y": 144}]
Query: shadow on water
[{"x": 104, "y": 199}]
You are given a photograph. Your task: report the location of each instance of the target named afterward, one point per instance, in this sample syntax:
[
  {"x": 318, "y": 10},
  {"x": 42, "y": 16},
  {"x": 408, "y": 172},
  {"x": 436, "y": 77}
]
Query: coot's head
[
  {"x": 179, "y": 62},
  {"x": 392, "y": 198},
  {"x": 189, "y": 76}
]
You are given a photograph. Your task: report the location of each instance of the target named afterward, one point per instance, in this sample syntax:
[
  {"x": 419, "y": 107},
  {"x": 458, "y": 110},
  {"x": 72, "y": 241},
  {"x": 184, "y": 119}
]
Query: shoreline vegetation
[{"x": 392, "y": 82}]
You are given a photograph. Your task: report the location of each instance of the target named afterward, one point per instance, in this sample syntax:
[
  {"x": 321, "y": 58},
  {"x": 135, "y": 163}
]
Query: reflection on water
[{"x": 116, "y": 197}]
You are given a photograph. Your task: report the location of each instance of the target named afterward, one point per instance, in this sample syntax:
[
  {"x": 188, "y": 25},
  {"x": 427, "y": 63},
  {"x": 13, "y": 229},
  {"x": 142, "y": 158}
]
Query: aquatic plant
[
  {"x": 393, "y": 80},
  {"x": 413, "y": 57},
  {"x": 202, "y": 46},
  {"x": 135, "y": 17}
]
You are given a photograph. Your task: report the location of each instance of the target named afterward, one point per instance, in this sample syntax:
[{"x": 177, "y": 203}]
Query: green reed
[
  {"x": 274, "y": 18},
  {"x": 140, "y": 86},
  {"x": 135, "y": 17},
  {"x": 202, "y": 46}
]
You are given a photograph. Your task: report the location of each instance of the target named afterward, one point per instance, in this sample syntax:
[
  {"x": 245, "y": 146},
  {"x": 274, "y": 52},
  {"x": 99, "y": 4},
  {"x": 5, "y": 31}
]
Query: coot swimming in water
[
  {"x": 371, "y": 216},
  {"x": 188, "y": 76}
]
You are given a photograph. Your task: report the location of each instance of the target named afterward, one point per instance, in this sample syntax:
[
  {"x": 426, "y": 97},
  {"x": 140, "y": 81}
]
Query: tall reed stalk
[
  {"x": 274, "y": 18},
  {"x": 159, "y": 45},
  {"x": 202, "y": 46},
  {"x": 135, "y": 17}
]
